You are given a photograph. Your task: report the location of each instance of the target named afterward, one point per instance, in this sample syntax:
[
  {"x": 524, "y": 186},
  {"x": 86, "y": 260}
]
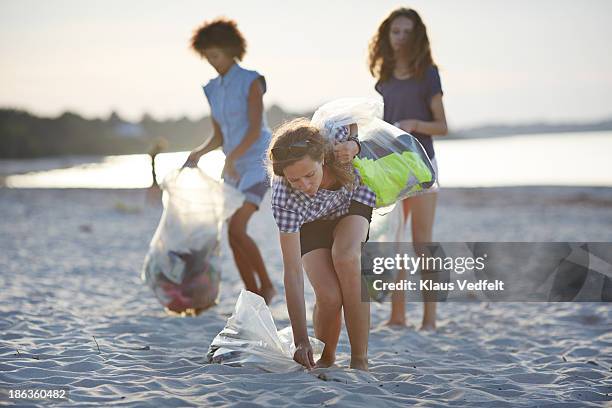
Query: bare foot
[
  {"x": 359, "y": 363},
  {"x": 397, "y": 323},
  {"x": 325, "y": 362},
  {"x": 428, "y": 326},
  {"x": 267, "y": 293}
]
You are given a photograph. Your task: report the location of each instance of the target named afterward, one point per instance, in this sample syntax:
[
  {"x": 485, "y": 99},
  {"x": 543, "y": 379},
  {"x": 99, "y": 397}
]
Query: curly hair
[
  {"x": 222, "y": 33},
  {"x": 381, "y": 58},
  {"x": 320, "y": 149}
]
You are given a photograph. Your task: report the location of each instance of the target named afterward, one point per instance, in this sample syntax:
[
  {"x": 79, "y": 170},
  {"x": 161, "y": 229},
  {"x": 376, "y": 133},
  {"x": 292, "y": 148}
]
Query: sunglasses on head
[{"x": 293, "y": 151}]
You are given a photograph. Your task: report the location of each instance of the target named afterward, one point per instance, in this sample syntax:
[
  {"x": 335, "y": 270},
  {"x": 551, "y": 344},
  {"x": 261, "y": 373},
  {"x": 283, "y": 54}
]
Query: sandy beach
[{"x": 74, "y": 313}]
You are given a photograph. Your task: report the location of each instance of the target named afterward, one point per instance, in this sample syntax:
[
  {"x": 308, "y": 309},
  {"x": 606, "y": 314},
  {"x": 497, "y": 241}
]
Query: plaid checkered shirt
[{"x": 293, "y": 208}]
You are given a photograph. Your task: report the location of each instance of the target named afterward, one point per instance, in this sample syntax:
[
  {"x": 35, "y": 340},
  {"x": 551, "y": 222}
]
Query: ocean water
[{"x": 577, "y": 159}]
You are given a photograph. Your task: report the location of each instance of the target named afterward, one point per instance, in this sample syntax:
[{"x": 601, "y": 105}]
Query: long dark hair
[
  {"x": 381, "y": 58},
  {"x": 319, "y": 149}
]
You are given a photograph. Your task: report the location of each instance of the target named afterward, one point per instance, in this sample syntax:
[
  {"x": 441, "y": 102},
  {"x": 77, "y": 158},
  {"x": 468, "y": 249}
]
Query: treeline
[{"x": 23, "y": 135}]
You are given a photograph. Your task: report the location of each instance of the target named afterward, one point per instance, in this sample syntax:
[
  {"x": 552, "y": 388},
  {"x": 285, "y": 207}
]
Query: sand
[{"x": 73, "y": 312}]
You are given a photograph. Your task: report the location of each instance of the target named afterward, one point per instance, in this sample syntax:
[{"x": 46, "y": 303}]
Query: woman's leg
[
  {"x": 246, "y": 254},
  {"x": 423, "y": 213},
  {"x": 326, "y": 316},
  {"x": 350, "y": 232},
  {"x": 398, "y": 297}
]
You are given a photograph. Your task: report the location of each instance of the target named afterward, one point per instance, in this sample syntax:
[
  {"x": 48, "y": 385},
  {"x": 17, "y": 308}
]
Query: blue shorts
[
  {"x": 253, "y": 183},
  {"x": 255, "y": 193}
]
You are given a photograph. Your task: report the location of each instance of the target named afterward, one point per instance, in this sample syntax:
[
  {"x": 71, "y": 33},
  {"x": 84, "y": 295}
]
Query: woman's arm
[
  {"x": 294, "y": 284},
  {"x": 255, "y": 109},
  {"x": 436, "y": 127},
  {"x": 294, "y": 294},
  {"x": 208, "y": 146}
]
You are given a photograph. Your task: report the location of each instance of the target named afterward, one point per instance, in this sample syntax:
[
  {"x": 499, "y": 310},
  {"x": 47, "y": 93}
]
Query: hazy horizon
[
  {"x": 510, "y": 63},
  {"x": 205, "y": 115}
]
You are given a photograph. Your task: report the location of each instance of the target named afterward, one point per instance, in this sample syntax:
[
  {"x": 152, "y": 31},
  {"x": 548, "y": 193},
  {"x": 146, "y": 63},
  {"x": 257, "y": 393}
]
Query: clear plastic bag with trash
[
  {"x": 182, "y": 265},
  {"x": 392, "y": 162},
  {"x": 250, "y": 339},
  {"x": 388, "y": 227}
]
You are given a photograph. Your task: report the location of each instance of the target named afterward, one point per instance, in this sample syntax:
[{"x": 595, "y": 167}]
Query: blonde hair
[{"x": 320, "y": 149}]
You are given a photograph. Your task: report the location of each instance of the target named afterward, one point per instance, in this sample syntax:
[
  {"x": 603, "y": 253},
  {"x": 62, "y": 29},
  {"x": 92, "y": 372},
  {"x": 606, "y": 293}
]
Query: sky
[{"x": 500, "y": 61}]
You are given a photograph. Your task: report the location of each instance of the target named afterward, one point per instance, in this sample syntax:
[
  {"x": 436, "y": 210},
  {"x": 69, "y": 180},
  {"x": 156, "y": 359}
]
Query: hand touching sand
[{"x": 303, "y": 355}]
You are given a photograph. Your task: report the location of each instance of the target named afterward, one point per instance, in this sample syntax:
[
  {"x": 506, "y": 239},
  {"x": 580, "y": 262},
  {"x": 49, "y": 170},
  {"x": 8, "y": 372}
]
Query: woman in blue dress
[
  {"x": 408, "y": 80},
  {"x": 239, "y": 126}
]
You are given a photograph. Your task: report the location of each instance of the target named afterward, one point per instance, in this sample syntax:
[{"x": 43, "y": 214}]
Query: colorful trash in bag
[
  {"x": 392, "y": 163},
  {"x": 182, "y": 264},
  {"x": 250, "y": 338}
]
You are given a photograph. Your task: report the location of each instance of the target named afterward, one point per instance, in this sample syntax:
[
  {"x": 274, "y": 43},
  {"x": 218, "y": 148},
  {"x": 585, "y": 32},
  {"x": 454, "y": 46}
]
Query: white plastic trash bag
[
  {"x": 390, "y": 227},
  {"x": 250, "y": 338},
  {"x": 392, "y": 163},
  {"x": 346, "y": 111},
  {"x": 182, "y": 264}
]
